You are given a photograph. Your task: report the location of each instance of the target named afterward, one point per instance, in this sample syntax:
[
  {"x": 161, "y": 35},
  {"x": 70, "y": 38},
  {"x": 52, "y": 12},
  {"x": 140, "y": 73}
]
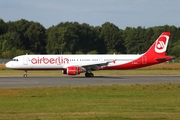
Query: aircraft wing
[{"x": 96, "y": 65}]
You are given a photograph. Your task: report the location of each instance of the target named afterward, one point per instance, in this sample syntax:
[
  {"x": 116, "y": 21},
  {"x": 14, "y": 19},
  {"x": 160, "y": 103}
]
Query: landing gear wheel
[
  {"x": 25, "y": 75},
  {"x": 89, "y": 74}
]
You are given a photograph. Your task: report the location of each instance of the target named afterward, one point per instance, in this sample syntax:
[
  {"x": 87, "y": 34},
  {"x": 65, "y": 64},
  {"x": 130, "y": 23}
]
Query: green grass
[
  {"x": 129, "y": 102},
  {"x": 126, "y": 102}
]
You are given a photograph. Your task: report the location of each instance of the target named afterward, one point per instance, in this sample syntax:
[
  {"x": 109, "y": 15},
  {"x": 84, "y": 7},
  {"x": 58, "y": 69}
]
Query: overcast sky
[{"x": 122, "y": 13}]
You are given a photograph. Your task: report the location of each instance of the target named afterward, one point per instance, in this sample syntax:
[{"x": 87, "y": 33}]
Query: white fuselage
[{"x": 63, "y": 61}]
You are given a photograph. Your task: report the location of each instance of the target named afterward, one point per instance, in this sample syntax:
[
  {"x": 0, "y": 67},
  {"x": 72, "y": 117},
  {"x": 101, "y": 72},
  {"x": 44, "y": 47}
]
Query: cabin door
[{"x": 25, "y": 61}]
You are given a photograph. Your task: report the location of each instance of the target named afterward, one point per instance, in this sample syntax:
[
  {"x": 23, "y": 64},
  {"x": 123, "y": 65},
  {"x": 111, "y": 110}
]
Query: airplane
[{"x": 76, "y": 64}]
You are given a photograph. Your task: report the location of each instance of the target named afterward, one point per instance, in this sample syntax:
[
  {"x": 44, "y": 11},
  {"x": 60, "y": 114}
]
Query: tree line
[{"x": 23, "y": 36}]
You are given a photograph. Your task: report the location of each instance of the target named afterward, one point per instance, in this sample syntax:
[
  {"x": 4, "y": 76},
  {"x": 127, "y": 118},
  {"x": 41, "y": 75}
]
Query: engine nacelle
[{"x": 73, "y": 70}]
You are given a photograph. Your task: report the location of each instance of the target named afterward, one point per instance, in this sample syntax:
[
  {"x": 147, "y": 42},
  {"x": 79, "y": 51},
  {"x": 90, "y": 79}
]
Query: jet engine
[{"x": 73, "y": 70}]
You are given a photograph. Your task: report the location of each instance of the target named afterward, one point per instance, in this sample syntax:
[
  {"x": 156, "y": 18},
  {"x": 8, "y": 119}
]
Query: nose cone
[{"x": 8, "y": 65}]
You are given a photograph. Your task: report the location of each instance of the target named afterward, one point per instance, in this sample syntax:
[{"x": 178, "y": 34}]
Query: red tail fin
[
  {"x": 159, "y": 46},
  {"x": 155, "y": 54}
]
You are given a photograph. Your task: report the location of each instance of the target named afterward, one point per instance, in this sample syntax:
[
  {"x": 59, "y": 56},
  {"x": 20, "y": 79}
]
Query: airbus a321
[{"x": 76, "y": 64}]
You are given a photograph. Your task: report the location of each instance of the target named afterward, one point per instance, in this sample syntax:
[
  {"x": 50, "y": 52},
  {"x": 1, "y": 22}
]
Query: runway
[{"x": 14, "y": 82}]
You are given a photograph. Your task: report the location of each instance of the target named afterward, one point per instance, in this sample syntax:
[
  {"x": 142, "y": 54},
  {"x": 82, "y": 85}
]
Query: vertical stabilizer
[{"x": 159, "y": 47}]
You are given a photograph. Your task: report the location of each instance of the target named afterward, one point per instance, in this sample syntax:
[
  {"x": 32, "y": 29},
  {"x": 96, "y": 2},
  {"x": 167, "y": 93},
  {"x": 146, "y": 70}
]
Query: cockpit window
[{"x": 14, "y": 60}]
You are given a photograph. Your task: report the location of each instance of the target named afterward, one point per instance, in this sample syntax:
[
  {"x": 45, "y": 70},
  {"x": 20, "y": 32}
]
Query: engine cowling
[{"x": 73, "y": 70}]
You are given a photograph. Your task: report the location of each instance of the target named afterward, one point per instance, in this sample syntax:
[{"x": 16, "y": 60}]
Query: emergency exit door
[{"x": 144, "y": 60}]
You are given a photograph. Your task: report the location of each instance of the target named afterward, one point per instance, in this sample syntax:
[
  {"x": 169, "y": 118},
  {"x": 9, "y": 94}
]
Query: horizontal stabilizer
[
  {"x": 166, "y": 58},
  {"x": 160, "y": 59}
]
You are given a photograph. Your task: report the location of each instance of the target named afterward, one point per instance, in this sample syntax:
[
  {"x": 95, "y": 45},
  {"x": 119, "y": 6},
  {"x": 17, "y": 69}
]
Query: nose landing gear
[{"x": 25, "y": 74}]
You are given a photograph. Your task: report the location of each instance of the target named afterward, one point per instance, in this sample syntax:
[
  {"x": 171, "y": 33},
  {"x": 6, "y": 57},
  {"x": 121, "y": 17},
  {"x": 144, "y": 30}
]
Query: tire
[{"x": 25, "y": 75}]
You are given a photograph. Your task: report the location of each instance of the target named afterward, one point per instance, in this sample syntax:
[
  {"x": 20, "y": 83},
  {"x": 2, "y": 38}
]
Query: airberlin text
[{"x": 45, "y": 60}]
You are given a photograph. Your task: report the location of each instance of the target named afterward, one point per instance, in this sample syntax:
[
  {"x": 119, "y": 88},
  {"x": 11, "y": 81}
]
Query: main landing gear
[
  {"x": 89, "y": 74},
  {"x": 25, "y": 74}
]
